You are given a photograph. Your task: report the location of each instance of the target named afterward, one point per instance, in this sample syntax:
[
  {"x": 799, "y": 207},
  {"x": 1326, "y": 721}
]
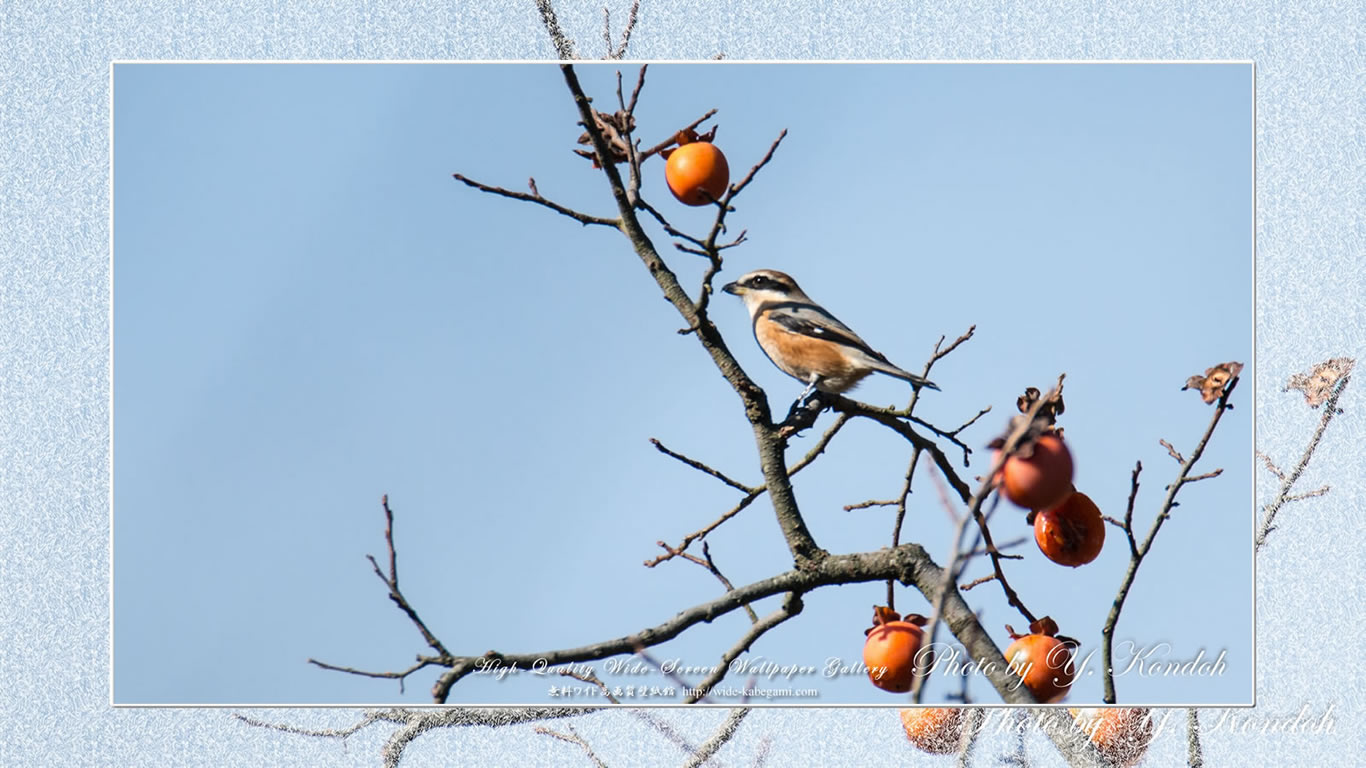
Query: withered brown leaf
[
  {"x": 1051, "y": 410},
  {"x": 615, "y": 127},
  {"x": 1216, "y": 378},
  {"x": 1043, "y": 422},
  {"x": 1318, "y": 384}
]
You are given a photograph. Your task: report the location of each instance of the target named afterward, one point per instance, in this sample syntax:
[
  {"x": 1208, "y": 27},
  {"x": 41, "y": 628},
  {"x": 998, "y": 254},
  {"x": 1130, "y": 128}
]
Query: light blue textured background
[{"x": 54, "y": 349}]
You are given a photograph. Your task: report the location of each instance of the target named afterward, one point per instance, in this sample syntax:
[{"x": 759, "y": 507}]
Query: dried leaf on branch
[
  {"x": 1212, "y": 384},
  {"x": 1318, "y": 384}
]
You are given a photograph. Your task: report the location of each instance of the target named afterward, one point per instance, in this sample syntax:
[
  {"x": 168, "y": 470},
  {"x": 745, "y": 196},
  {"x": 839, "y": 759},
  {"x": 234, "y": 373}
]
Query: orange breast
[{"x": 800, "y": 356}]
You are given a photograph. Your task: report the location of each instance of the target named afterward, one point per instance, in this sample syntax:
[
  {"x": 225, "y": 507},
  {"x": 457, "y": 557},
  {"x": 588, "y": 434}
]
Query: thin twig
[
  {"x": 535, "y": 197},
  {"x": 1140, "y": 551},
  {"x": 711, "y": 566},
  {"x": 673, "y": 137},
  {"x": 672, "y": 552},
  {"x": 803, "y": 463},
  {"x": 668, "y": 671},
  {"x": 396, "y": 595},
  {"x": 573, "y": 738},
  {"x": 1129, "y": 511},
  {"x": 723, "y": 734},
  {"x": 564, "y": 47},
  {"x": 952, "y": 570},
  {"x": 1307, "y": 494},
  {"x": 891, "y": 420},
  {"x": 869, "y": 504},
  {"x": 424, "y": 662},
  {"x": 367, "y": 719},
  {"x": 700, "y": 467},
  {"x": 706, "y": 562},
  {"x": 607, "y": 35},
  {"x": 620, "y": 51},
  {"x": 1194, "y": 754},
  {"x": 978, "y": 582},
  {"x": 640, "y": 79},
  {"x": 414, "y": 723},
  {"x": 940, "y": 352},
  {"x": 664, "y": 728},
  {"x": 973, "y": 718},
  {"x": 1275, "y": 470},
  {"x": 1330, "y": 409},
  {"x": 591, "y": 678},
  {"x": 1205, "y": 476},
  {"x": 791, "y": 607}
]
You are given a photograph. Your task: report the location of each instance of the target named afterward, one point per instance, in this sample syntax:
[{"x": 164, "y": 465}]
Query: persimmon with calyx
[
  {"x": 1043, "y": 660},
  {"x": 1072, "y": 533},
  {"x": 1038, "y": 475},
  {"x": 891, "y": 647},
  {"x": 697, "y": 173},
  {"x": 937, "y": 730},
  {"x": 1120, "y": 735}
]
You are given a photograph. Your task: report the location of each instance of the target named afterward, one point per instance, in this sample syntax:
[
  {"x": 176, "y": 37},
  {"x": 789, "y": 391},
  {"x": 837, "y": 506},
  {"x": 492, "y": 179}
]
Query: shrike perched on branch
[{"x": 807, "y": 342}]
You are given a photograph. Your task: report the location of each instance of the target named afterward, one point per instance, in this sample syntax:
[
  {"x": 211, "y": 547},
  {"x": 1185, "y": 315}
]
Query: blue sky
[{"x": 309, "y": 313}]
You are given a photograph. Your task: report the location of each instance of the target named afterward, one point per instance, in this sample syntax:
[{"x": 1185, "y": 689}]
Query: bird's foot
[{"x": 803, "y": 412}]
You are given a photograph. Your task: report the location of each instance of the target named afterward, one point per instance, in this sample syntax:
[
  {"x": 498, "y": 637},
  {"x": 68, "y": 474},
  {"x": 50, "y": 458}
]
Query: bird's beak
[{"x": 733, "y": 288}]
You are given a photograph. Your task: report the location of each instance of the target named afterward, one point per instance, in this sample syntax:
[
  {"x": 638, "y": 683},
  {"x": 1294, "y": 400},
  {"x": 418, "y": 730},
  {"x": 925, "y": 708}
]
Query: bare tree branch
[
  {"x": 791, "y": 607},
  {"x": 573, "y": 738},
  {"x": 1137, "y": 553},
  {"x": 1129, "y": 511},
  {"x": 724, "y": 733},
  {"x": 414, "y": 723},
  {"x": 619, "y": 51},
  {"x": 703, "y": 468},
  {"x": 1275, "y": 470},
  {"x": 673, "y": 137},
  {"x": 1288, "y": 481},
  {"x": 901, "y": 515},
  {"x": 893, "y": 421},
  {"x": 591, "y": 678},
  {"x": 564, "y": 47},
  {"x": 396, "y": 595},
  {"x": 1194, "y": 754},
  {"x": 768, "y": 441},
  {"x": 811, "y": 455},
  {"x": 973, "y": 718},
  {"x": 953, "y": 569},
  {"x": 909, "y": 563},
  {"x": 1307, "y": 494},
  {"x": 535, "y": 197}
]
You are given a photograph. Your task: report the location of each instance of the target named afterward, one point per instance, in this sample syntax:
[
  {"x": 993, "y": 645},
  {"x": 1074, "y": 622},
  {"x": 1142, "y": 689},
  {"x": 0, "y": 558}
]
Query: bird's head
[{"x": 764, "y": 286}]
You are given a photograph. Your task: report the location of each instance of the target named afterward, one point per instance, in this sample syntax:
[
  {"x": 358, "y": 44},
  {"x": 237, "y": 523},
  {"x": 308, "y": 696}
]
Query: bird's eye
[{"x": 759, "y": 281}]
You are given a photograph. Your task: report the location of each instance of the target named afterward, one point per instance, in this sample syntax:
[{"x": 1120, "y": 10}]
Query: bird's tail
[{"x": 916, "y": 381}]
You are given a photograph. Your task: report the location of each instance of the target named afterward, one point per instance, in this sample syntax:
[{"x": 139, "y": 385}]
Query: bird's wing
[{"x": 811, "y": 320}]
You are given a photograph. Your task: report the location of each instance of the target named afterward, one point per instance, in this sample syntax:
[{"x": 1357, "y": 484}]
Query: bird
[{"x": 805, "y": 341}]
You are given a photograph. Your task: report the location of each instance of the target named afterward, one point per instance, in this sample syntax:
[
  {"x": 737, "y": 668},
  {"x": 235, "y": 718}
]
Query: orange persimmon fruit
[
  {"x": 697, "y": 173},
  {"x": 1043, "y": 478},
  {"x": 1120, "y": 735},
  {"x": 890, "y": 649},
  {"x": 937, "y": 730},
  {"x": 1043, "y": 660},
  {"x": 1072, "y": 533}
]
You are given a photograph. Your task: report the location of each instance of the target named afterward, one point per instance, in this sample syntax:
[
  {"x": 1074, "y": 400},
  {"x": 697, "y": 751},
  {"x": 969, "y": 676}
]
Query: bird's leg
[{"x": 809, "y": 400}]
